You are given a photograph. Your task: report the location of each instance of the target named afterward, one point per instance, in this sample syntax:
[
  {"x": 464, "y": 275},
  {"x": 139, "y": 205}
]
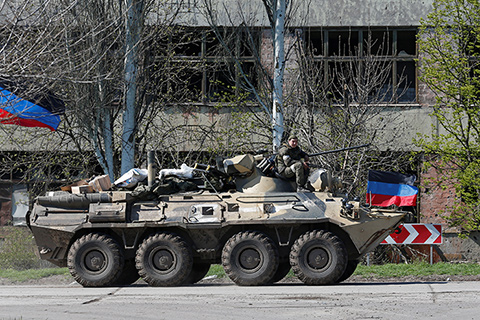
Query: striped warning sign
[{"x": 416, "y": 233}]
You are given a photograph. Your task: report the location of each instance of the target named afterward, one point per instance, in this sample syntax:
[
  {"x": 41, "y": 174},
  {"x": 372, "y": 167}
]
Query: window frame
[
  {"x": 396, "y": 58},
  {"x": 206, "y": 62}
]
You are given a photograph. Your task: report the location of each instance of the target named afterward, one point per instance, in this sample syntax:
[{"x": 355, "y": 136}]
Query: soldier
[{"x": 291, "y": 161}]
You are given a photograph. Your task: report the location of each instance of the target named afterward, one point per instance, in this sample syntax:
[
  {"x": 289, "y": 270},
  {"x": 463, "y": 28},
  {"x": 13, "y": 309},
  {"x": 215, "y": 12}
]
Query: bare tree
[
  {"x": 338, "y": 102},
  {"x": 278, "y": 14},
  {"x": 31, "y": 39},
  {"x": 347, "y": 102},
  {"x": 80, "y": 51}
]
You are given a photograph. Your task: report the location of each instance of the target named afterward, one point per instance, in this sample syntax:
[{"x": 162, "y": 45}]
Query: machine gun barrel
[{"x": 338, "y": 150}]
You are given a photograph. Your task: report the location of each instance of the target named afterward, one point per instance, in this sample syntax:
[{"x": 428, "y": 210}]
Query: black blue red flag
[
  {"x": 387, "y": 188},
  {"x": 37, "y": 111}
]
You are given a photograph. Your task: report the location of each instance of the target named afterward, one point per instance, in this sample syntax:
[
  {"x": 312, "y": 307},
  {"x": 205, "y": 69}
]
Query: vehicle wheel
[
  {"x": 351, "y": 267},
  {"x": 95, "y": 260},
  {"x": 250, "y": 258},
  {"x": 282, "y": 271},
  {"x": 129, "y": 274},
  {"x": 199, "y": 270},
  {"x": 164, "y": 260},
  {"x": 318, "y": 257}
]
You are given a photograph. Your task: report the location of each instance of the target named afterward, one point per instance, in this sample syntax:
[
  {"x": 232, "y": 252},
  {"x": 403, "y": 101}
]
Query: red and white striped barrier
[{"x": 416, "y": 233}]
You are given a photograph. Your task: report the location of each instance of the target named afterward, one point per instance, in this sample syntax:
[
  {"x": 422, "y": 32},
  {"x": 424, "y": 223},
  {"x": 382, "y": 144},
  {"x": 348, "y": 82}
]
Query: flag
[
  {"x": 387, "y": 188},
  {"x": 38, "y": 111}
]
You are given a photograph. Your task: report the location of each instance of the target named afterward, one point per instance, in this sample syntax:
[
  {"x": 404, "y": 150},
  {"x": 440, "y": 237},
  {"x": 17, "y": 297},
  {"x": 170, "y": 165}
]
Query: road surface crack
[
  {"x": 434, "y": 294},
  {"x": 98, "y": 299}
]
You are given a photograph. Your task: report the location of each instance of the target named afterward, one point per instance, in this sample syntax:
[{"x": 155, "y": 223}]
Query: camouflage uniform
[{"x": 289, "y": 164}]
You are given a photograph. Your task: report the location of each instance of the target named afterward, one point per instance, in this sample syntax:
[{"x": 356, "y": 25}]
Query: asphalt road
[{"x": 433, "y": 300}]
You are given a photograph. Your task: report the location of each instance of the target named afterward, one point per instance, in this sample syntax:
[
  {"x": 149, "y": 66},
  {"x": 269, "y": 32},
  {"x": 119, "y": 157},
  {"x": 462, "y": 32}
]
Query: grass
[
  {"x": 17, "y": 249},
  {"x": 216, "y": 270},
  {"x": 385, "y": 271},
  {"x": 31, "y": 274},
  {"x": 391, "y": 270},
  {"x": 418, "y": 269}
]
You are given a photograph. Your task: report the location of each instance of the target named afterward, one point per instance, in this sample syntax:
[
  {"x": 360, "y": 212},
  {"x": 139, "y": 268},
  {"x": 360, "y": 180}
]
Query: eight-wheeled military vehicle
[{"x": 257, "y": 227}]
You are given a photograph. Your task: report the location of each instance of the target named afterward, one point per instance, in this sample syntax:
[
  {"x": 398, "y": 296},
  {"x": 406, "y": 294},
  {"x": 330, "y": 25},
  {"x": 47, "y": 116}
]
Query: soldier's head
[{"x": 292, "y": 141}]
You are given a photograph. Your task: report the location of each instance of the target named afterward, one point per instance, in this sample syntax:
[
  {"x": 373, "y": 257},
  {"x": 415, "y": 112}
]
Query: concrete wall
[
  {"x": 357, "y": 13},
  {"x": 16, "y": 138},
  {"x": 315, "y": 13},
  {"x": 307, "y": 13}
]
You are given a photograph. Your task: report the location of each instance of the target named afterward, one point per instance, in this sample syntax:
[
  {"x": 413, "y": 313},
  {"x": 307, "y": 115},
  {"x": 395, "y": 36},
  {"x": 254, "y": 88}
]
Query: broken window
[
  {"x": 315, "y": 42},
  {"x": 377, "y": 42},
  {"x": 186, "y": 84},
  {"x": 212, "y": 65},
  {"x": 380, "y": 60},
  {"x": 343, "y": 43},
  {"x": 221, "y": 83},
  {"x": 406, "y": 81},
  {"x": 186, "y": 45},
  {"x": 406, "y": 43}
]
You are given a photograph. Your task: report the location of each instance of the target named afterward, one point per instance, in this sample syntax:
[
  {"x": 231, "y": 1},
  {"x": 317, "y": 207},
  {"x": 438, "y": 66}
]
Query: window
[
  {"x": 342, "y": 43},
  {"x": 377, "y": 43},
  {"x": 354, "y": 57},
  {"x": 406, "y": 43},
  {"x": 207, "y": 71},
  {"x": 406, "y": 81},
  {"x": 186, "y": 45},
  {"x": 315, "y": 42},
  {"x": 221, "y": 83}
]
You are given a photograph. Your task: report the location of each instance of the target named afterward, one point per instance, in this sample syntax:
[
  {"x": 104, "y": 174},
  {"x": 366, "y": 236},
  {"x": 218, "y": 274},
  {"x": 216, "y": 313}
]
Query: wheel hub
[
  {"x": 163, "y": 260},
  {"x": 250, "y": 259},
  {"x": 317, "y": 258},
  {"x": 95, "y": 261}
]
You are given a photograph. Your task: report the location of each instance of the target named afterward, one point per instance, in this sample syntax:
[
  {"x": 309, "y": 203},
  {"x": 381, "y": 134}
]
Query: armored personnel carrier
[{"x": 257, "y": 227}]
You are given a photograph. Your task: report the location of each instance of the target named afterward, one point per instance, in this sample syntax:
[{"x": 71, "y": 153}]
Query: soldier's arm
[
  {"x": 282, "y": 153},
  {"x": 304, "y": 155}
]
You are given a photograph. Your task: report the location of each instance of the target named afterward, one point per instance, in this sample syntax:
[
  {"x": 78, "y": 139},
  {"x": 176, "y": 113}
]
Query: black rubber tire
[
  {"x": 199, "y": 271},
  {"x": 318, "y": 257},
  {"x": 351, "y": 267},
  {"x": 250, "y": 258},
  {"x": 95, "y": 260},
  {"x": 282, "y": 270},
  {"x": 129, "y": 274},
  {"x": 164, "y": 260}
]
